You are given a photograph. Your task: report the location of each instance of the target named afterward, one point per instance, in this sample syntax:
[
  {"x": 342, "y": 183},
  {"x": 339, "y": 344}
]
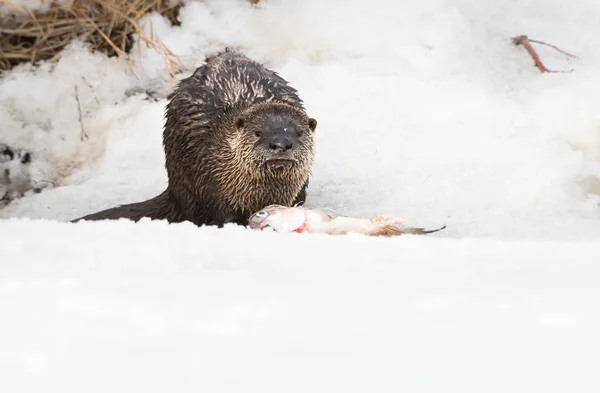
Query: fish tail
[
  {"x": 394, "y": 230},
  {"x": 422, "y": 231}
]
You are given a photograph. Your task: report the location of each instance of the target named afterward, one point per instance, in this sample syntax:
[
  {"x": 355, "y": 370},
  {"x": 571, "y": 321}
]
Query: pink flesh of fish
[{"x": 294, "y": 219}]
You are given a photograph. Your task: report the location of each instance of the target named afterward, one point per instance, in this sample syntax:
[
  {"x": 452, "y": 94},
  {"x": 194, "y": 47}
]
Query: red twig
[{"x": 526, "y": 42}]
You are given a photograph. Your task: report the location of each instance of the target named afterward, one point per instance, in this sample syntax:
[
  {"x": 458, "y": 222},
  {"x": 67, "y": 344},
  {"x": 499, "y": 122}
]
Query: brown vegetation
[{"x": 107, "y": 26}]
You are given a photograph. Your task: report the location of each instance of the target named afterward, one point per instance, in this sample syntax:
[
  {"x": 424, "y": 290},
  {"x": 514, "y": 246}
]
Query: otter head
[
  {"x": 275, "y": 139},
  {"x": 241, "y": 159}
]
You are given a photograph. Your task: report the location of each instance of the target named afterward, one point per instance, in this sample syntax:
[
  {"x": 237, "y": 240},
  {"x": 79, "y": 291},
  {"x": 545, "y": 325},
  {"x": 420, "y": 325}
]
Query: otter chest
[{"x": 256, "y": 196}]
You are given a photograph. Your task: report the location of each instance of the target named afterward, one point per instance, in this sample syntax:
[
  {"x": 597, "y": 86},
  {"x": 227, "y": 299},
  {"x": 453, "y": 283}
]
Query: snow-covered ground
[{"x": 426, "y": 111}]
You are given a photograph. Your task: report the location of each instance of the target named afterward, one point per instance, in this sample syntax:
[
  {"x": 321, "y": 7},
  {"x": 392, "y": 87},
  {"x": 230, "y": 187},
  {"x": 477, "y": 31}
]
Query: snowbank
[
  {"x": 426, "y": 111},
  {"x": 150, "y": 307}
]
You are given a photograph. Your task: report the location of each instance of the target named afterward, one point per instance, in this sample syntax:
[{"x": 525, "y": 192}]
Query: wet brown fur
[{"x": 215, "y": 175}]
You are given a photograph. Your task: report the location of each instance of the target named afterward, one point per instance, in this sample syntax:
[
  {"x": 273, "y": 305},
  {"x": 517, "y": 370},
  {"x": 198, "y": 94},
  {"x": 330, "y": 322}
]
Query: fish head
[{"x": 277, "y": 218}]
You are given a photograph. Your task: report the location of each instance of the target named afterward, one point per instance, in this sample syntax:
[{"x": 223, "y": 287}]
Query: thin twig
[
  {"x": 83, "y": 134},
  {"x": 553, "y": 47},
  {"x": 91, "y": 87},
  {"x": 525, "y": 41}
]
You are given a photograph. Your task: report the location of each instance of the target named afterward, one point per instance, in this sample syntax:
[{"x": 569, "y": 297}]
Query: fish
[{"x": 299, "y": 219}]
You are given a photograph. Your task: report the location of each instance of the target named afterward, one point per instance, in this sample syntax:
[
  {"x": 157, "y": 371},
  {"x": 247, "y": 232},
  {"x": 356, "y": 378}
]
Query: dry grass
[{"x": 106, "y": 25}]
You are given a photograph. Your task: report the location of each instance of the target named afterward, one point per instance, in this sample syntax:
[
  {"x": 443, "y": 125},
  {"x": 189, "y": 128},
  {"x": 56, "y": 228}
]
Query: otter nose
[{"x": 280, "y": 143}]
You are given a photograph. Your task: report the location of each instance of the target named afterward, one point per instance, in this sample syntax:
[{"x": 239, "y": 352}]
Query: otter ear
[
  {"x": 239, "y": 123},
  {"x": 312, "y": 124}
]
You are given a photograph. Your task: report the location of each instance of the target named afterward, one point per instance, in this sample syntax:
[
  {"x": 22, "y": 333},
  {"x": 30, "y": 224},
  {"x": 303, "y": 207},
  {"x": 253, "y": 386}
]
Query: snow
[
  {"x": 425, "y": 111},
  {"x": 151, "y": 307}
]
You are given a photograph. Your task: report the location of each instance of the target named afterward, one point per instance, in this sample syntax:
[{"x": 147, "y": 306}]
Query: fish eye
[{"x": 261, "y": 214}]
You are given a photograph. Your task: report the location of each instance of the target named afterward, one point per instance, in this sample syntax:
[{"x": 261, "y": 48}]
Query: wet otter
[{"x": 236, "y": 139}]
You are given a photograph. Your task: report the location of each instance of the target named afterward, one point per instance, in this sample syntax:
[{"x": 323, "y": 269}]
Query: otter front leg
[
  {"x": 301, "y": 197},
  {"x": 230, "y": 218}
]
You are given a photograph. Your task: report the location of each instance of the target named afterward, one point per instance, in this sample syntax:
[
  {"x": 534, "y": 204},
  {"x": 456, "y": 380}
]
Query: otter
[{"x": 236, "y": 139}]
